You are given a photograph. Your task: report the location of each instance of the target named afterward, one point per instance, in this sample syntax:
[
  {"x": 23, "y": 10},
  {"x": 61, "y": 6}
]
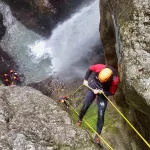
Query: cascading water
[
  {"x": 72, "y": 41},
  {"x": 16, "y": 41},
  {"x": 66, "y": 49}
]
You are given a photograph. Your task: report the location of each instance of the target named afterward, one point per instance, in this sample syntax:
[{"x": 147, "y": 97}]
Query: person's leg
[
  {"x": 89, "y": 97},
  {"x": 102, "y": 104}
]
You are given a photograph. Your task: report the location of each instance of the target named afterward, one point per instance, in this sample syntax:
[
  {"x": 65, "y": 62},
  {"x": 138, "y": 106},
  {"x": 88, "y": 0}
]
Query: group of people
[{"x": 11, "y": 78}]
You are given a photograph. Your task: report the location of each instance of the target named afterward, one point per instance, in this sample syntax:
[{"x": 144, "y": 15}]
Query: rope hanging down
[
  {"x": 125, "y": 119},
  {"x": 90, "y": 127},
  {"x": 128, "y": 122},
  {"x": 85, "y": 120},
  {"x": 144, "y": 140}
]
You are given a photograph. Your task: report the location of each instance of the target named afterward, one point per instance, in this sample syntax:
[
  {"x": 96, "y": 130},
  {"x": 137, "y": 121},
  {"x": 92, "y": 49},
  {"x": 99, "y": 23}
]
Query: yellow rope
[
  {"x": 127, "y": 121},
  {"x": 77, "y": 89},
  {"x": 90, "y": 127},
  {"x": 118, "y": 112}
]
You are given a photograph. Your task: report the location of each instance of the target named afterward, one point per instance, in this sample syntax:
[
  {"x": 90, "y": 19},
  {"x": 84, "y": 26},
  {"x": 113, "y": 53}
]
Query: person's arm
[
  {"x": 88, "y": 73},
  {"x": 114, "y": 86},
  {"x": 92, "y": 68},
  {"x": 85, "y": 81}
]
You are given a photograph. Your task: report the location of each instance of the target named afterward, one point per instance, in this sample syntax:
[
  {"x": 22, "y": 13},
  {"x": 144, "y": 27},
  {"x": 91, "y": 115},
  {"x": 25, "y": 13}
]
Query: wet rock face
[
  {"x": 30, "y": 120},
  {"x": 107, "y": 34},
  {"x": 133, "y": 19},
  {"x": 2, "y": 27},
  {"x": 6, "y": 62},
  {"x": 136, "y": 55},
  {"x": 42, "y": 15}
]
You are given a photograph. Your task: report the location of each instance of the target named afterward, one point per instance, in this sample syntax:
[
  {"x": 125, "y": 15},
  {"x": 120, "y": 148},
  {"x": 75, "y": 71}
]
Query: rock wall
[
  {"x": 30, "y": 120},
  {"x": 42, "y": 15},
  {"x": 2, "y": 27},
  {"x": 6, "y": 62},
  {"x": 124, "y": 29}
]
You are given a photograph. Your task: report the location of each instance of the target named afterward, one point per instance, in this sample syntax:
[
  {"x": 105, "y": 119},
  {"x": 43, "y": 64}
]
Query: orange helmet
[{"x": 105, "y": 75}]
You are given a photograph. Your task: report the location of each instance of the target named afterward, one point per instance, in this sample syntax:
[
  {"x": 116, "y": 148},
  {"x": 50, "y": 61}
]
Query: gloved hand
[
  {"x": 97, "y": 91},
  {"x": 101, "y": 91},
  {"x": 85, "y": 82}
]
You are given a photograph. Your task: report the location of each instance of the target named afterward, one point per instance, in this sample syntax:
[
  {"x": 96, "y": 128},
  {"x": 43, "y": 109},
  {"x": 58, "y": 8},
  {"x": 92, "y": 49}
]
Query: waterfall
[
  {"x": 66, "y": 50},
  {"x": 72, "y": 41},
  {"x": 15, "y": 42}
]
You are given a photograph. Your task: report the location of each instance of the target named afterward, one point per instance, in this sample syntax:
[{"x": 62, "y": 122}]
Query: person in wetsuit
[{"x": 105, "y": 79}]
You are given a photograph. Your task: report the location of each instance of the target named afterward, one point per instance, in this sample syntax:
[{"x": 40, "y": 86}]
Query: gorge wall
[
  {"x": 43, "y": 14},
  {"x": 30, "y": 120},
  {"x": 6, "y": 60},
  {"x": 125, "y": 34},
  {"x": 124, "y": 30}
]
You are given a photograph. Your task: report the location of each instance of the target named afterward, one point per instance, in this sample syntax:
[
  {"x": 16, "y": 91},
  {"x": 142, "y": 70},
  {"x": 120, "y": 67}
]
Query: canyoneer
[{"x": 104, "y": 79}]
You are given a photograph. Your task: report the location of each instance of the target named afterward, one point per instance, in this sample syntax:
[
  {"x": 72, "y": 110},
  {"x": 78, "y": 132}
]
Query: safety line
[
  {"x": 124, "y": 118},
  {"x": 127, "y": 121},
  {"x": 90, "y": 126},
  {"x": 144, "y": 140},
  {"x": 76, "y": 90}
]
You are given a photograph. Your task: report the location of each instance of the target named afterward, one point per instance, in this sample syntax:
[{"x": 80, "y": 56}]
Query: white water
[
  {"x": 66, "y": 51},
  {"x": 71, "y": 41},
  {"x": 16, "y": 41}
]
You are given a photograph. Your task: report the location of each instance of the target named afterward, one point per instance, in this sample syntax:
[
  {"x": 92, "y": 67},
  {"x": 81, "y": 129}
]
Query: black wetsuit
[{"x": 101, "y": 100}]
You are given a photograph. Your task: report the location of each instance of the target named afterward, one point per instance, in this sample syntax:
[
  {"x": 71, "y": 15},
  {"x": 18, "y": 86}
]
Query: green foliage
[{"x": 90, "y": 116}]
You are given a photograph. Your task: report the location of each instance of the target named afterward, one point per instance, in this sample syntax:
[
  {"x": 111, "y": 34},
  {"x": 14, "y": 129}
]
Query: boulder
[{"x": 30, "y": 120}]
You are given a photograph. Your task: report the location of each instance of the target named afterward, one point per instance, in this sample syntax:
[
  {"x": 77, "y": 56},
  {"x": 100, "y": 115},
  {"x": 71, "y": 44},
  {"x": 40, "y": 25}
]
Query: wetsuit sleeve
[
  {"x": 87, "y": 74},
  {"x": 90, "y": 70},
  {"x": 94, "y": 68},
  {"x": 114, "y": 85}
]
